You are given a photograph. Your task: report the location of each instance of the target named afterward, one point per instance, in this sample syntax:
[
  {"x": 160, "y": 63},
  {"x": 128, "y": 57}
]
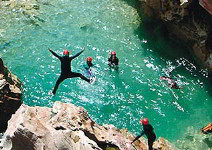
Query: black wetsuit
[
  {"x": 148, "y": 131},
  {"x": 66, "y": 69},
  {"x": 171, "y": 82},
  {"x": 113, "y": 62}
]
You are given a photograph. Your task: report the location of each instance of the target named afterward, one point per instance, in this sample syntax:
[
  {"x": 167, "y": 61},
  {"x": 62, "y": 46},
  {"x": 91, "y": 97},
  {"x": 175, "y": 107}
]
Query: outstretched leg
[
  {"x": 74, "y": 75},
  {"x": 59, "y": 80},
  {"x": 151, "y": 141}
]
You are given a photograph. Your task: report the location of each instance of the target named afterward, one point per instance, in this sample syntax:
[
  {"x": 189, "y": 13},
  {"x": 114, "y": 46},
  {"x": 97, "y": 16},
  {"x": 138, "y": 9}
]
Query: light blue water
[{"x": 118, "y": 97}]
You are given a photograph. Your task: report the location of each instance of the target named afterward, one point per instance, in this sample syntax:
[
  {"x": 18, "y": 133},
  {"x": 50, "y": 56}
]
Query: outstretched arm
[
  {"x": 54, "y": 54},
  {"x": 137, "y": 137},
  {"x": 72, "y": 57}
]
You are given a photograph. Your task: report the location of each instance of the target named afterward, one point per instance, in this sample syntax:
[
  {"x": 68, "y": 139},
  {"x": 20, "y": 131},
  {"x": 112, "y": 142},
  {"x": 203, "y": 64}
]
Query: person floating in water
[
  {"x": 88, "y": 69},
  {"x": 88, "y": 66},
  {"x": 171, "y": 83},
  {"x": 113, "y": 61},
  {"x": 148, "y": 131},
  {"x": 66, "y": 68}
]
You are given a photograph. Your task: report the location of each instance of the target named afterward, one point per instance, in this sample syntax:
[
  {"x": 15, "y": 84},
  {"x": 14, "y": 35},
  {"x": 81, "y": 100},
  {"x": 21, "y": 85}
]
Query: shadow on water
[
  {"x": 209, "y": 83},
  {"x": 157, "y": 36},
  {"x": 158, "y": 40},
  {"x": 155, "y": 31}
]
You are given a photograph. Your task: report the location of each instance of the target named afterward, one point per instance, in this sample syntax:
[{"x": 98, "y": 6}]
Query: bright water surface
[{"x": 119, "y": 97}]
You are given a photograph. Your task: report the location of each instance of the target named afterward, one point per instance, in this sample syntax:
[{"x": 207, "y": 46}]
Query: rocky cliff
[
  {"x": 10, "y": 95},
  {"x": 67, "y": 127},
  {"x": 187, "y": 21}
]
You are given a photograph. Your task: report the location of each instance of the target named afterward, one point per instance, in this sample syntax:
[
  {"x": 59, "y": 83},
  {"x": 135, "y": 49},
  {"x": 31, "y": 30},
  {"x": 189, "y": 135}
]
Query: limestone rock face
[
  {"x": 65, "y": 127},
  {"x": 189, "y": 22},
  {"x": 10, "y": 95}
]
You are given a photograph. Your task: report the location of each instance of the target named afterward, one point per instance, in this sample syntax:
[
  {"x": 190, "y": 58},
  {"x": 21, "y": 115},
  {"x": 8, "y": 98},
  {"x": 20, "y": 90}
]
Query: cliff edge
[{"x": 67, "y": 127}]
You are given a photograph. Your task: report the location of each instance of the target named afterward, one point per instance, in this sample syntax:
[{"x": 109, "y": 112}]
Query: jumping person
[
  {"x": 66, "y": 68},
  {"x": 148, "y": 131},
  {"x": 113, "y": 61}
]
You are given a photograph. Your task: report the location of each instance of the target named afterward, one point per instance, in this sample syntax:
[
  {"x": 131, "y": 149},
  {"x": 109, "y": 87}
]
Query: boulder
[{"x": 66, "y": 127}]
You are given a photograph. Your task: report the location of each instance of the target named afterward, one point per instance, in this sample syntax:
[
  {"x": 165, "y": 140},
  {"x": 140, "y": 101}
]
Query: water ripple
[{"x": 120, "y": 97}]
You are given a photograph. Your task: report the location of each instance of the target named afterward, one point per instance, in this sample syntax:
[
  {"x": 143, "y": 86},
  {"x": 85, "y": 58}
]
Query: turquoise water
[{"x": 118, "y": 97}]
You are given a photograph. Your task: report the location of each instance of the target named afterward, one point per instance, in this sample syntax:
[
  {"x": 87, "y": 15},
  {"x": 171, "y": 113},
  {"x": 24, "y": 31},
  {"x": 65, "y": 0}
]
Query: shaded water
[{"x": 118, "y": 97}]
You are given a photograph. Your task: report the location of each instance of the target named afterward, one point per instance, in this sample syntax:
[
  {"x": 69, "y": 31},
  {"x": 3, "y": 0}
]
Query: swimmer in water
[{"x": 113, "y": 61}]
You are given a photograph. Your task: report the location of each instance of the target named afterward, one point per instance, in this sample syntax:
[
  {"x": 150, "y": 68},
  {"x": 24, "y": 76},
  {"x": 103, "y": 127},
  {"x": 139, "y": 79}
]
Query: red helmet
[
  {"x": 65, "y": 52},
  {"x": 113, "y": 53},
  {"x": 89, "y": 59},
  {"x": 144, "y": 121}
]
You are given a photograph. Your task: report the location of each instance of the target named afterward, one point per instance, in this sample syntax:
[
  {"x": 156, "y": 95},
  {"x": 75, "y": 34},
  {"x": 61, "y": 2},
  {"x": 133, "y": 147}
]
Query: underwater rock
[
  {"x": 66, "y": 126},
  {"x": 28, "y": 8},
  {"x": 10, "y": 95},
  {"x": 194, "y": 140}
]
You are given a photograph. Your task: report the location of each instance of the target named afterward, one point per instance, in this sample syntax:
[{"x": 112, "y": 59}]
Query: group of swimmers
[
  {"x": 66, "y": 71},
  {"x": 113, "y": 61}
]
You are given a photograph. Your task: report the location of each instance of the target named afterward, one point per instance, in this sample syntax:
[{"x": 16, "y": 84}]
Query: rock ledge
[{"x": 65, "y": 127}]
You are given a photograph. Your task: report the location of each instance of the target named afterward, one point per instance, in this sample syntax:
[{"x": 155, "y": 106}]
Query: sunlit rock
[{"x": 66, "y": 126}]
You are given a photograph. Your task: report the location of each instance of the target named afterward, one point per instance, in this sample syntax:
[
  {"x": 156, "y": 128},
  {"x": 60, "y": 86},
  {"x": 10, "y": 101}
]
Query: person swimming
[
  {"x": 88, "y": 66},
  {"x": 113, "y": 61},
  {"x": 66, "y": 72},
  {"x": 171, "y": 82}
]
